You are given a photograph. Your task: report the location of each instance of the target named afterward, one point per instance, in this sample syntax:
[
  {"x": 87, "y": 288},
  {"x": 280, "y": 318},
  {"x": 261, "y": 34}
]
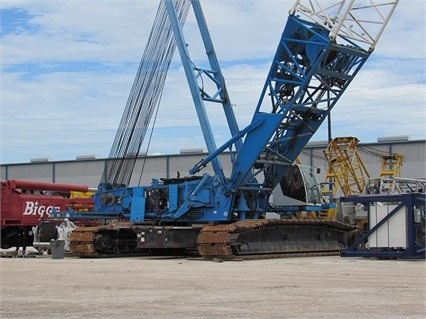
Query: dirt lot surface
[{"x": 141, "y": 287}]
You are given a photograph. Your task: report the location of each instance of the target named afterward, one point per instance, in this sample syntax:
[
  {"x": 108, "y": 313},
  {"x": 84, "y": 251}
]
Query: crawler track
[
  {"x": 273, "y": 238},
  {"x": 251, "y": 239},
  {"x": 92, "y": 242},
  {"x": 82, "y": 241},
  {"x": 14, "y": 254}
]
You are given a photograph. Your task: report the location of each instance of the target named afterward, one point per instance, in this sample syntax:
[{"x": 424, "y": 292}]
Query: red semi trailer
[{"x": 24, "y": 203}]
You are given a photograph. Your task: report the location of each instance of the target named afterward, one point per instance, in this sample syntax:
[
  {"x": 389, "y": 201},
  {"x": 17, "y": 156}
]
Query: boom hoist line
[
  {"x": 144, "y": 98},
  {"x": 316, "y": 60}
]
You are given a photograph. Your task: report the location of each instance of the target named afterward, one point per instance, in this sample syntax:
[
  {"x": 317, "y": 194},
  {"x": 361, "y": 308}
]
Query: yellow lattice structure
[
  {"x": 345, "y": 165},
  {"x": 391, "y": 165}
]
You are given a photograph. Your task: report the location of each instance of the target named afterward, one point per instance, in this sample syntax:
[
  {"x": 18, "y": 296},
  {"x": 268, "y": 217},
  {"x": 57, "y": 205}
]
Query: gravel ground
[{"x": 141, "y": 287}]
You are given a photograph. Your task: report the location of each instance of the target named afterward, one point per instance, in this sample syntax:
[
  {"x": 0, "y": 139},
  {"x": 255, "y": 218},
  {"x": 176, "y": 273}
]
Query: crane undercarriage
[{"x": 249, "y": 239}]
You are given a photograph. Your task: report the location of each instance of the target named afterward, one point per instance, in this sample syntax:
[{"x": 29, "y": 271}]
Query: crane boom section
[
  {"x": 358, "y": 21},
  {"x": 308, "y": 75},
  {"x": 315, "y": 61}
]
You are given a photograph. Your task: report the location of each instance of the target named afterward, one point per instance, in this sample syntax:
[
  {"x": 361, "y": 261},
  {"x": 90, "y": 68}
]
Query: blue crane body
[{"x": 312, "y": 67}]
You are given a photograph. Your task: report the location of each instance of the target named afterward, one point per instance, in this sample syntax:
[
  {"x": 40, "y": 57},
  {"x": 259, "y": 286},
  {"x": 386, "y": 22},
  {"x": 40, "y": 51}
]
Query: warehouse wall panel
[
  {"x": 415, "y": 158},
  {"x": 87, "y": 172},
  {"x": 166, "y": 166},
  {"x": 42, "y": 172},
  {"x": 3, "y": 172},
  {"x": 147, "y": 168}
]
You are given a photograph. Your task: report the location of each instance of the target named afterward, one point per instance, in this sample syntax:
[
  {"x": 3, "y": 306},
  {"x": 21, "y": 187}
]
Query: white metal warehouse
[{"x": 88, "y": 170}]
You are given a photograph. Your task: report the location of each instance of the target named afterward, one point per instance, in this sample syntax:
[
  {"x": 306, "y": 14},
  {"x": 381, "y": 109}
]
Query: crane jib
[{"x": 308, "y": 75}]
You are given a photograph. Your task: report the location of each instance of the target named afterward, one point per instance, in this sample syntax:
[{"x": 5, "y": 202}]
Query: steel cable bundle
[{"x": 144, "y": 97}]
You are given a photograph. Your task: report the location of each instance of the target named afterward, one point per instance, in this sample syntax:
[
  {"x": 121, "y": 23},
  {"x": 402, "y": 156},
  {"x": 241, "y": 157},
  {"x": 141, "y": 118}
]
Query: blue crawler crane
[{"x": 210, "y": 213}]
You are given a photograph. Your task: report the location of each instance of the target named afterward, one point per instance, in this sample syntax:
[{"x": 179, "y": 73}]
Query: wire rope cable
[{"x": 144, "y": 97}]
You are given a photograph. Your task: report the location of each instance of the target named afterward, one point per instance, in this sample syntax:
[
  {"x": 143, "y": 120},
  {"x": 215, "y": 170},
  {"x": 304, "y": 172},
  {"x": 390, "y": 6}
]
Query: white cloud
[{"x": 67, "y": 72}]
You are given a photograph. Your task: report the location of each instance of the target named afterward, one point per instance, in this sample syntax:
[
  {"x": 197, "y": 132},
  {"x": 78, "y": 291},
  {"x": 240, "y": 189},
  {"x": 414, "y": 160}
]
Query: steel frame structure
[
  {"x": 360, "y": 21},
  {"x": 414, "y": 205}
]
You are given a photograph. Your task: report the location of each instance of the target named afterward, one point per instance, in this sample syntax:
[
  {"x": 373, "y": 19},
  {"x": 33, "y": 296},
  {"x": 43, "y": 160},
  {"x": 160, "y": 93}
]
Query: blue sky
[{"x": 67, "y": 69}]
